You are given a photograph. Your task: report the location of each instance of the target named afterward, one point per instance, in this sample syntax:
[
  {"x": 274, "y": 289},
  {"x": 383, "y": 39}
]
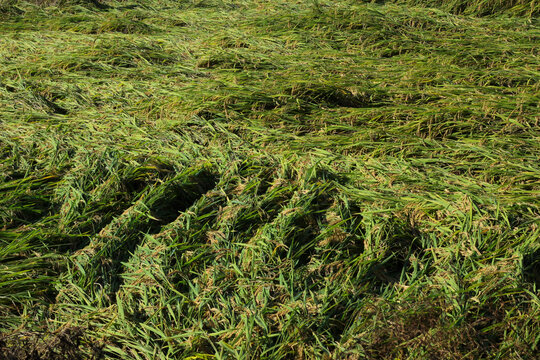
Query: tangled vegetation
[{"x": 201, "y": 179}]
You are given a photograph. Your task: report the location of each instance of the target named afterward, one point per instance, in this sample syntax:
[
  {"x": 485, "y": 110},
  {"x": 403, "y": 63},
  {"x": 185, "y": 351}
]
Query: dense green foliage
[
  {"x": 269, "y": 179},
  {"x": 480, "y": 7}
]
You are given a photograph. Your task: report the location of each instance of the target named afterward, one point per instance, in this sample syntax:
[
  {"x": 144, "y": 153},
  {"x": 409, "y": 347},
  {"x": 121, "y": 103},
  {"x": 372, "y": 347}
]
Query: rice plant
[{"x": 215, "y": 179}]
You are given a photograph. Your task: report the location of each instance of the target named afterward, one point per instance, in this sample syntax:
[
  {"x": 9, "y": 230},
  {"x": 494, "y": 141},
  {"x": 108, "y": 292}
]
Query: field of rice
[{"x": 249, "y": 179}]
